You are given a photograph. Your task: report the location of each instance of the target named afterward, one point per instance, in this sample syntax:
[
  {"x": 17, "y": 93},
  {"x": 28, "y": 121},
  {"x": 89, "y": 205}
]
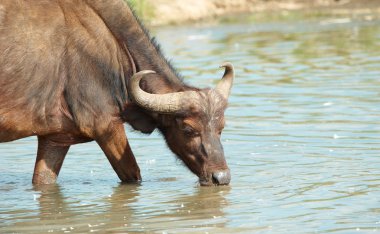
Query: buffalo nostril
[{"x": 221, "y": 177}]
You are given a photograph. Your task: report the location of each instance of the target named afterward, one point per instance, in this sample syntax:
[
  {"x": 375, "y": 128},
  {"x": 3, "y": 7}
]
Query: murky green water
[{"x": 302, "y": 141}]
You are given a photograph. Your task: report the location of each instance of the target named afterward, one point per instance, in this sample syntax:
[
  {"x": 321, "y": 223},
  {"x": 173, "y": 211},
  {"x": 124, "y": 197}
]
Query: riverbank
[{"x": 161, "y": 12}]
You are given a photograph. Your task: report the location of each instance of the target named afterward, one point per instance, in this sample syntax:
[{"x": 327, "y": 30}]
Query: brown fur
[{"x": 64, "y": 71}]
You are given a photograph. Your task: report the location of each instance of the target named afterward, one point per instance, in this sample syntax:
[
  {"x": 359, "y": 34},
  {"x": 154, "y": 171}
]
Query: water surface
[{"x": 302, "y": 141}]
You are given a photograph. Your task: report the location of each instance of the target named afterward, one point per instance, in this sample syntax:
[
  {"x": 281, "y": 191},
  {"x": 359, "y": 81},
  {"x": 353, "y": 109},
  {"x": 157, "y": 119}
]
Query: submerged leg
[
  {"x": 116, "y": 147},
  {"x": 49, "y": 161}
]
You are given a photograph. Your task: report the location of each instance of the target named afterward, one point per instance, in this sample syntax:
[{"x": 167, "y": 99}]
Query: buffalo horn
[
  {"x": 224, "y": 85},
  {"x": 160, "y": 103}
]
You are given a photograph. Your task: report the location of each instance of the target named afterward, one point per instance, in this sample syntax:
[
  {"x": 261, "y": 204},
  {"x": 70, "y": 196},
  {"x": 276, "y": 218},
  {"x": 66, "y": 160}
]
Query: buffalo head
[{"x": 192, "y": 123}]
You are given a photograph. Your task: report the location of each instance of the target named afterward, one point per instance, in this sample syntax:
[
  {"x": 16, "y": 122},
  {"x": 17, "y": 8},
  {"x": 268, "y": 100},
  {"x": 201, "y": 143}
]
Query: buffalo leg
[
  {"x": 118, "y": 151},
  {"x": 49, "y": 161}
]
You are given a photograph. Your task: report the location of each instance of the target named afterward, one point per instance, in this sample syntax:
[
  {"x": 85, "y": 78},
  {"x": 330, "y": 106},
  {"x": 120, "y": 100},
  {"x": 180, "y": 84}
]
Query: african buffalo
[{"x": 73, "y": 71}]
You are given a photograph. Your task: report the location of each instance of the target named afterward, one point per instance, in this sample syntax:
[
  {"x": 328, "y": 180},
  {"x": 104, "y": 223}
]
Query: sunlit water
[{"x": 302, "y": 141}]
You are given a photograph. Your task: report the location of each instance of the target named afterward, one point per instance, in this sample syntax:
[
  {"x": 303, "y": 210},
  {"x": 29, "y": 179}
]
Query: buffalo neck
[{"x": 131, "y": 35}]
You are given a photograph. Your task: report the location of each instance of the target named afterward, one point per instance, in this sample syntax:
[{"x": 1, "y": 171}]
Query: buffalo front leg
[
  {"x": 49, "y": 161},
  {"x": 118, "y": 151}
]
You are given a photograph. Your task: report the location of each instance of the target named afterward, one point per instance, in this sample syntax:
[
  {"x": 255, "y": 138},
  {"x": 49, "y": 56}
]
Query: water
[{"x": 302, "y": 141}]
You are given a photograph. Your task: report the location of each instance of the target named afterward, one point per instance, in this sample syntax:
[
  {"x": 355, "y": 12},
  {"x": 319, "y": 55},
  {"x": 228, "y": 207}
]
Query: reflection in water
[
  {"x": 201, "y": 210},
  {"x": 302, "y": 141},
  {"x": 123, "y": 212},
  {"x": 51, "y": 202}
]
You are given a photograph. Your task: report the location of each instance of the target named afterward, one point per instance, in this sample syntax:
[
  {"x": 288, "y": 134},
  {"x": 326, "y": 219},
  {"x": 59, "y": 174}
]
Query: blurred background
[{"x": 159, "y": 12}]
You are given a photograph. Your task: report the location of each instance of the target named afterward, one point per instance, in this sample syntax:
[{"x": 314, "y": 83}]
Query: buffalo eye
[
  {"x": 220, "y": 126},
  {"x": 220, "y": 130},
  {"x": 190, "y": 132}
]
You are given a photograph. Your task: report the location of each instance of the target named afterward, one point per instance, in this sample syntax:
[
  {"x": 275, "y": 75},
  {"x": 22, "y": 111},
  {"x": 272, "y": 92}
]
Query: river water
[{"x": 302, "y": 141}]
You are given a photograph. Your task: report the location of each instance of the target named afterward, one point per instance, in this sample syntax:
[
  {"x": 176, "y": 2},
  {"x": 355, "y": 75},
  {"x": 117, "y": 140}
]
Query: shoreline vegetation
[{"x": 166, "y": 12}]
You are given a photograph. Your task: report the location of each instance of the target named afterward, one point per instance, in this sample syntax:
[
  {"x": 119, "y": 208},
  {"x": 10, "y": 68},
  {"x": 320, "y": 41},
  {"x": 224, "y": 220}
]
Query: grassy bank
[{"x": 159, "y": 12}]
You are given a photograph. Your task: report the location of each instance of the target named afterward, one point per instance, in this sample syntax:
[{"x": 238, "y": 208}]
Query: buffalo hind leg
[
  {"x": 118, "y": 151},
  {"x": 49, "y": 161}
]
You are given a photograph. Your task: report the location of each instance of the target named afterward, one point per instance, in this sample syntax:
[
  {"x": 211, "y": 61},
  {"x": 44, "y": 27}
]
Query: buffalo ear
[{"x": 138, "y": 119}]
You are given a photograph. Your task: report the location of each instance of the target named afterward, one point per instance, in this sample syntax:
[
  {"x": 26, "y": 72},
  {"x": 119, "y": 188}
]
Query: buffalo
[{"x": 74, "y": 71}]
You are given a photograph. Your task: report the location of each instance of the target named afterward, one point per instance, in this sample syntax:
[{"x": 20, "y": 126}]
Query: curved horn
[
  {"x": 224, "y": 86},
  {"x": 161, "y": 103}
]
